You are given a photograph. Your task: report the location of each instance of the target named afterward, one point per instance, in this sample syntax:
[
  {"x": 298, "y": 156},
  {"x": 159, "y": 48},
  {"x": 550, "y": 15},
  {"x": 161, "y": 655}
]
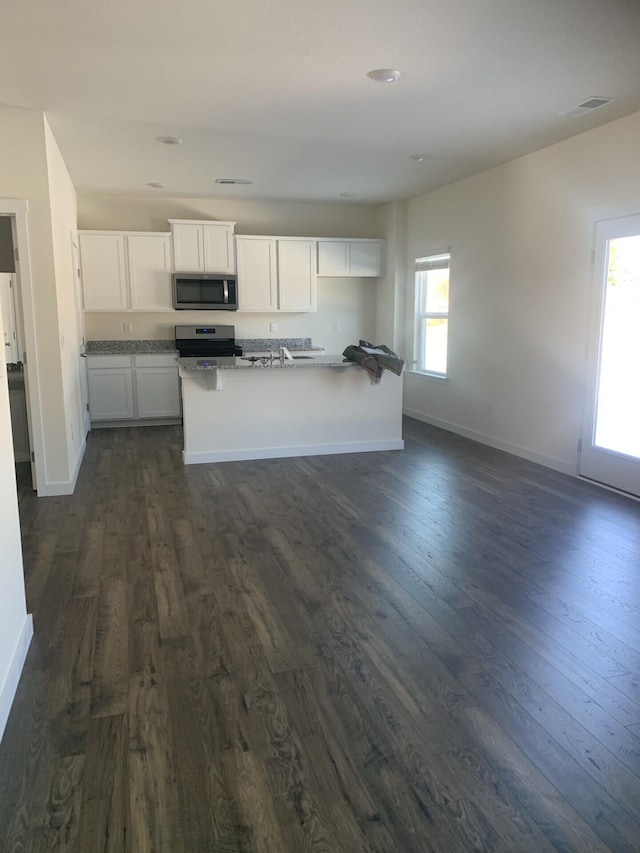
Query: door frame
[
  {"x": 18, "y": 210},
  {"x": 85, "y": 418},
  {"x": 605, "y": 231}
]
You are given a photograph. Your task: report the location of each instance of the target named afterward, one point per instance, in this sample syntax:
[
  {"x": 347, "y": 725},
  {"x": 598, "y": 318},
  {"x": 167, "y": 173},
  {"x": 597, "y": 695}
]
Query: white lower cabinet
[
  {"x": 157, "y": 387},
  {"x": 111, "y": 390},
  {"x": 133, "y": 387}
]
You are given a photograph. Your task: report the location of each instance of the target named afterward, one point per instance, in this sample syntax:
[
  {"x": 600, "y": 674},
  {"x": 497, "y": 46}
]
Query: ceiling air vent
[
  {"x": 586, "y": 107},
  {"x": 233, "y": 181}
]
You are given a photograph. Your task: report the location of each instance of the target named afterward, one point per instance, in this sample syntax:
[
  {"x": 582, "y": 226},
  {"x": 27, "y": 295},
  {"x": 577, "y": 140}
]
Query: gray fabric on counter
[{"x": 374, "y": 358}]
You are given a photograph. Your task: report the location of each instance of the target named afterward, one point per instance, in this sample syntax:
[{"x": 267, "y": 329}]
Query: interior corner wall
[
  {"x": 64, "y": 219},
  {"x": 24, "y": 175},
  {"x": 390, "y": 302},
  {"x": 521, "y": 237}
]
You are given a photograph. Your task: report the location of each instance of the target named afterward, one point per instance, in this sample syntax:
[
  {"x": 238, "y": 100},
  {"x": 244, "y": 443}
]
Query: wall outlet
[
  {"x": 337, "y": 326},
  {"x": 127, "y": 327},
  {"x": 273, "y": 327}
]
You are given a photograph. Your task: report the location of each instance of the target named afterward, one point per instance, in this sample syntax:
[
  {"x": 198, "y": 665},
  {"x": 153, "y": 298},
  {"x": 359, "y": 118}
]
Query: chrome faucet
[
  {"x": 272, "y": 354},
  {"x": 285, "y": 355}
]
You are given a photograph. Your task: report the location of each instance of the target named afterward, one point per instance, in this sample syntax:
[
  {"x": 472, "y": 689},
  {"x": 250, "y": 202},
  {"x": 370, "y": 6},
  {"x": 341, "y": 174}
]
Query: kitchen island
[{"x": 236, "y": 409}]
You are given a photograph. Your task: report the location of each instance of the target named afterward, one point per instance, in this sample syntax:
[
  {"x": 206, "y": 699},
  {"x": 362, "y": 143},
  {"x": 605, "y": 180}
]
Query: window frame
[{"x": 420, "y": 317}]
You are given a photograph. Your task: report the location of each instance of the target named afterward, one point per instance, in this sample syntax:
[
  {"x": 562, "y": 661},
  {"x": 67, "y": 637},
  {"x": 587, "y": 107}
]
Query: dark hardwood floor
[{"x": 433, "y": 650}]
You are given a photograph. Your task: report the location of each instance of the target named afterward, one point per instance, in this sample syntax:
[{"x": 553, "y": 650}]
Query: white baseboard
[
  {"x": 8, "y": 689},
  {"x": 64, "y": 487},
  {"x": 498, "y": 444},
  {"x": 282, "y": 452}
]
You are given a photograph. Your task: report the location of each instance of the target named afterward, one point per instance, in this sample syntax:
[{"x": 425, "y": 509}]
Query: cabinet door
[
  {"x": 157, "y": 392},
  {"x": 188, "y": 251},
  {"x": 219, "y": 253},
  {"x": 333, "y": 257},
  {"x": 256, "y": 259},
  {"x": 111, "y": 394},
  {"x": 296, "y": 275},
  {"x": 149, "y": 272},
  {"x": 366, "y": 258},
  {"x": 104, "y": 283}
]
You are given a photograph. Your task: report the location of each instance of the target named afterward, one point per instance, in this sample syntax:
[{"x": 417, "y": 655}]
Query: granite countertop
[
  {"x": 130, "y": 347},
  {"x": 248, "y": 345},
  {"x": 243, "y": 363}
]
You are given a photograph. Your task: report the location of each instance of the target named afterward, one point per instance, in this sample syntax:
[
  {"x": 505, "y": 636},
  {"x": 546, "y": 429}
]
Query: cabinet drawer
[
  {"x": 106, "y": 361},
  {"x": 161, "y": 360}
]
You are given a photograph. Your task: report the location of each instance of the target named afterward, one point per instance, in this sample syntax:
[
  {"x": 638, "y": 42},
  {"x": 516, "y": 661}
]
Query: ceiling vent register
[{"x": 586, "y": 107}]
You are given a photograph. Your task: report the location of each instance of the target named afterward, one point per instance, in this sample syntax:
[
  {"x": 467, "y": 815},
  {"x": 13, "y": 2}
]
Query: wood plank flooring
[{"x": 433, "y": 650}]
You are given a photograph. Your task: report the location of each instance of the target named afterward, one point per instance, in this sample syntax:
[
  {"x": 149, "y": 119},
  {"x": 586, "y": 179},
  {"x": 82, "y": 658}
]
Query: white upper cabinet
[
  {"x": 104, "y": 280},
  {"x": 219, "y": 249},
  {"x": 276, "y": 273},
  {"x": 296, "y": 274},
  {"x": 125, "y": 271},
  {"x": 256, "y": 258},
  {"x": 203, "y": 246},
  {"x": 149, "y": 257},
  {"x": 366, "y": 257},
  {"x": 350, "y": 258}
]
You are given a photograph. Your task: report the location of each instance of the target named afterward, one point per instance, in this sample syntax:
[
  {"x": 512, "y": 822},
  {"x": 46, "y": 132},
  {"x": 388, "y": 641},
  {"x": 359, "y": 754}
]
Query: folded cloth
[{"x": 374, "y": 358}]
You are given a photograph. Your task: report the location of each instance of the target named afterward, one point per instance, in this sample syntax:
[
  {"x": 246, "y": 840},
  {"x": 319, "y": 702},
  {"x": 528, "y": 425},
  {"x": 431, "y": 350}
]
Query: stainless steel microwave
[{"x": 205, "y": 292}]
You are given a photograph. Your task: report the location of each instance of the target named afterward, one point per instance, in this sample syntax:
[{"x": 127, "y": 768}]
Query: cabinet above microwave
[{"x": 203, "y": 246}]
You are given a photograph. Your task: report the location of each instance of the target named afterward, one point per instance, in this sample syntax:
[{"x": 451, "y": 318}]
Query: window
[{"x": 432, "y": 313}]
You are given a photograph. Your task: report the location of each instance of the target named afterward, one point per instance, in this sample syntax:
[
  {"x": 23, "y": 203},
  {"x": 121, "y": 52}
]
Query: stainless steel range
[{"x": 207, "y": 346}]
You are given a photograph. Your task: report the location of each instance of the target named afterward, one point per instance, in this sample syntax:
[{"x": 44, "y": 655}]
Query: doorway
[
  {"x": 15, "y": 213},
  {"x": 611, "y": 440},
  {"x": 13, "y": 354}
]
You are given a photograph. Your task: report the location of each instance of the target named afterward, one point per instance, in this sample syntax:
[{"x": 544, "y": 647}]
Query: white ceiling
[{"x": 276, "y": 91}]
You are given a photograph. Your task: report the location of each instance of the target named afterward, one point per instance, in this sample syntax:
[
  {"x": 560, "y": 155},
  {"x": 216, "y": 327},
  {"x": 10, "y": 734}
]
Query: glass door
[{"x": 611, "y": 440}]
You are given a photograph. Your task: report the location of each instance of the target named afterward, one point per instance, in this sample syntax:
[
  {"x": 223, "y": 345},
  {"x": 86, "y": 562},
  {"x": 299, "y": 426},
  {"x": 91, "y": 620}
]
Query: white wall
[
  {"x": 150, "y": 212},
  {"x": 64, "y": 217},
  {"x": 15, "y": 625},
  {"x": 521, "y": 237},
  {"x": 346, "y": 307},
  {"x": 390, "y": 306}
]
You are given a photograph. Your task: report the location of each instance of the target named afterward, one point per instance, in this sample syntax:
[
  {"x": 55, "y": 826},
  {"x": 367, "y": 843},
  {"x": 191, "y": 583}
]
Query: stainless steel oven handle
[{"x": 225, "y": 291}]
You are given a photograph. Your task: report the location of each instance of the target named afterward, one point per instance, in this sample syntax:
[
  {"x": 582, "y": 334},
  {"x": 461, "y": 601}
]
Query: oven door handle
[{"x": 225, "y": 292}]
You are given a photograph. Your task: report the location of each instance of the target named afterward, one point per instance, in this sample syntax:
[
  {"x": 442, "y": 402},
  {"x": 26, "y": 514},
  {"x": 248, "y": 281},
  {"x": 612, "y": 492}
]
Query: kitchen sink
[{"x": 296, "y": 357}]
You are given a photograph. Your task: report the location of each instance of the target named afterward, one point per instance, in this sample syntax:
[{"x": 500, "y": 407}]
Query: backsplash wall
[
  {"x": 346, "y": 307},
  {"x": 346, "y": 312}
]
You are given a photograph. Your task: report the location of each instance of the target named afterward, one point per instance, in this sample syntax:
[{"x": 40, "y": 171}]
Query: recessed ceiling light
[
  {"x": 418, "y": 158},
  {"x": 383, "y": 75},
  {"x": 170, "y": 140},
  {"x": 156, "y": 185},
  {"x": 347, "y": 195}
]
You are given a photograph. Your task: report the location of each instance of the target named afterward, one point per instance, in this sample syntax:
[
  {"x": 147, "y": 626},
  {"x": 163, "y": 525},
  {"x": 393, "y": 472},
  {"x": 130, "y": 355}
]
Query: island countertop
[{"x": 263, "y": 361}]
